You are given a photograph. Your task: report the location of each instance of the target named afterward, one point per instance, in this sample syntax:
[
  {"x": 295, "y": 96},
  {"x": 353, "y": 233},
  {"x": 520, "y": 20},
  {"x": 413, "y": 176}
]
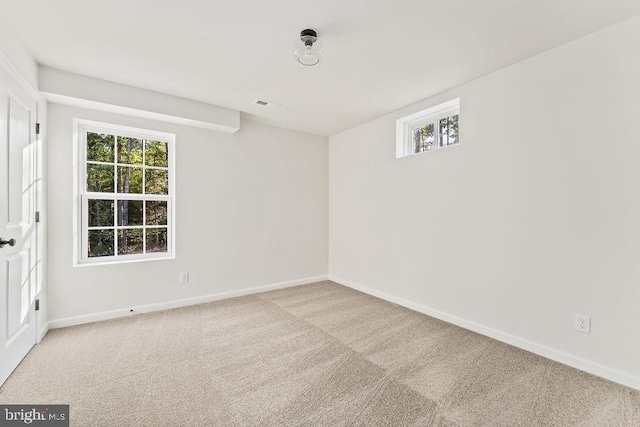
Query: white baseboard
[
  {"x": 539, "y": 349},
  {"x": 124, "y": 312}
]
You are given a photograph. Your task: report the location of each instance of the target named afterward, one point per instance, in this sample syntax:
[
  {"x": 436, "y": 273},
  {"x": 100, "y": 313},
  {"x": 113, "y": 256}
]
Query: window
[
  {"x": 125, "y": 197},
  {"x": 428, "y": 130}
]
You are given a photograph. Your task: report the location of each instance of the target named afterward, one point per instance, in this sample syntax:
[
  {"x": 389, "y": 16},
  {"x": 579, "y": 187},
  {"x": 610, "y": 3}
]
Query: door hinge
[
  {"x": 38, "y": 216},
  {"x": 37, "y": 128},
  {"x": 37, "y": 304}
]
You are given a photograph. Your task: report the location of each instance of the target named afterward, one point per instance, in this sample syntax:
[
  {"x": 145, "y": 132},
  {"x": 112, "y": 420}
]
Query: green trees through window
[
  {"x": 424, "y": 137},
  {"x": 429, "y": 129},
  {"x": 126, "y": 195}
]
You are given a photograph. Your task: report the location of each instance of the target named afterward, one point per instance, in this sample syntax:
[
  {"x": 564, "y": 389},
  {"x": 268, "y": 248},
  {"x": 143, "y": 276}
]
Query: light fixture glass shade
[{"x": 308, "y": 50}]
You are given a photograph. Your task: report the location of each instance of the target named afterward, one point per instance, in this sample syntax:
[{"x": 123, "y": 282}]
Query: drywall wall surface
[
  {"x": 62, "y": 87},
  {"x": 13, "y": 51},
  {"x": 251, "y": 210},
  {"x": 533, "y": 218}
]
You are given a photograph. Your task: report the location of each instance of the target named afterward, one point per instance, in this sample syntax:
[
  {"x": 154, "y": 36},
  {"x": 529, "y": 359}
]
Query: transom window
[
  {"x": 126, "y": 196},
  {"x": 428, "y": 130}
]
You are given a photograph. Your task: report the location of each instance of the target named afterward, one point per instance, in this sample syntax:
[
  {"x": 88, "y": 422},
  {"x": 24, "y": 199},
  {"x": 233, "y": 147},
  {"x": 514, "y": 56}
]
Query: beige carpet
[{"x": 318, "y": 354}]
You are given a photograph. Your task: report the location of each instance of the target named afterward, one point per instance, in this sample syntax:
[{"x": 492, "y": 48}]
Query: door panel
[
  {"x": 19, "y": 165},
  {"x": 18, "y": 296},
  {"x": 17, "y": 221}
]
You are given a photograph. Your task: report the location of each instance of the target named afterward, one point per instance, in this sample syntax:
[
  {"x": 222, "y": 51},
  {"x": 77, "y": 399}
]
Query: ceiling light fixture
[{"x": 308, "y": 49}]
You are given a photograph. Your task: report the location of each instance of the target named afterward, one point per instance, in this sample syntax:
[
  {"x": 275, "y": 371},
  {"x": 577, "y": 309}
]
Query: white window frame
[
  {"x": 81, "y": 220},
  {"x": 406, "y": 125}
]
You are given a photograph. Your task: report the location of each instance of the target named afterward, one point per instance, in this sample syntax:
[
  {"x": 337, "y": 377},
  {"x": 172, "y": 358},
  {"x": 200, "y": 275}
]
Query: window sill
[{"x": 120, "y": 260}]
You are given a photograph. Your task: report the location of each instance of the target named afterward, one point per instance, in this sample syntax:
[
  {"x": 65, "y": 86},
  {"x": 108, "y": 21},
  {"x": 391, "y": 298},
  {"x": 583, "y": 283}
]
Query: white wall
[
  {"x": 14, "y": 51},
  {"x": 533, "y": 218},
  {"x": 63, "y": 87},
  {"x": 251, "y": 210}
]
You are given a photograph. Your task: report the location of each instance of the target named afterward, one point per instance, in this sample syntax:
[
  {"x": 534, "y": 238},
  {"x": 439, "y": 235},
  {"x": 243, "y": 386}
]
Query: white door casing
[{"x": 18, "y": 187}]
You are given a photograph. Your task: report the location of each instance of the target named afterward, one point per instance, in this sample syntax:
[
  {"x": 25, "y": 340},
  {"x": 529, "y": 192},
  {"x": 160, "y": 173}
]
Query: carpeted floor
[{"x": 318, "y": 354}]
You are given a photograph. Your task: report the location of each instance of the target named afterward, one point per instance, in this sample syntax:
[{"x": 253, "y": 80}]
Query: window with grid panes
[
  {"x": 431, "y": 129},
  {"x": 126, "y": 196}
]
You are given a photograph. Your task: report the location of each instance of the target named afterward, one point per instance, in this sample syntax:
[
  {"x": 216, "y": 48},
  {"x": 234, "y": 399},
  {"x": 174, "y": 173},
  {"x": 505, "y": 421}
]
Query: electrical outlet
[
  {"x": 184, "y": 278},
  {"x": 349, "y": 265},
  {"x": 583, "y": 323}
]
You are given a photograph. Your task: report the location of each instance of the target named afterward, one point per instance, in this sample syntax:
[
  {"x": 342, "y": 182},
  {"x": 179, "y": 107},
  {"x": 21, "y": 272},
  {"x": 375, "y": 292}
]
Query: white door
[{"x": 18, "y": 255}]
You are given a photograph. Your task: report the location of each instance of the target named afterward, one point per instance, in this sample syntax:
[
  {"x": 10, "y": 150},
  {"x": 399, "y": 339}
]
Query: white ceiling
[{"x": 379, "y": 55}]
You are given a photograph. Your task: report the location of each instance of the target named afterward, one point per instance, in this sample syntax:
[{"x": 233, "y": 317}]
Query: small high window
[
  {"x": 428, "y": 130},
  {"x": 125, "y": 197}
]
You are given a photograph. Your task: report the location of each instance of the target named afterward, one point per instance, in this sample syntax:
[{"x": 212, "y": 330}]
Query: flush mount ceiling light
[{"x": 308, "y": 49}]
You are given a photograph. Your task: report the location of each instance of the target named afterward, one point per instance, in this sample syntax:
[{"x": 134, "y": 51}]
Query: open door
[{"x": 18, "y": 243}]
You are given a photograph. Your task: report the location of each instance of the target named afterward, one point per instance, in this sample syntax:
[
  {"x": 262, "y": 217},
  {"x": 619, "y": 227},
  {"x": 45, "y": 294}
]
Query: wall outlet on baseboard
[
  {"x": 184, "y": 278},
  {"x": 583, "y": 323}
]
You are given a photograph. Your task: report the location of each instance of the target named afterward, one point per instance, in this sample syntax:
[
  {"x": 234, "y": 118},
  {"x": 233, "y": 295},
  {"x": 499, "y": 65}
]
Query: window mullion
[
  {"x": 144, "y": 226},
  {"x": 116, "y": 248},
  {"x": 85, "y": 220},
  {"x": 115, "y": 223},
  {"x": 144, "y": 165}
]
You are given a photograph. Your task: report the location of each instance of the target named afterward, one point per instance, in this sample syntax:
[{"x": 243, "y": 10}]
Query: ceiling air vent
[{"x": 265, "y": 103}]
